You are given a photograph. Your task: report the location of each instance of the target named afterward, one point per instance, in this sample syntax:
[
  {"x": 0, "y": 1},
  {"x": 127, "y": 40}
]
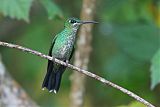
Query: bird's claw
[
  {"x": 53, "y": 58},
  {"x": 67, "y": 62}
]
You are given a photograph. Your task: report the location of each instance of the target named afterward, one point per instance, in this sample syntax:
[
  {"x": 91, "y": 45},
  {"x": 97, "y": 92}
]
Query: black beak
[{"x": 88, "y": 22}]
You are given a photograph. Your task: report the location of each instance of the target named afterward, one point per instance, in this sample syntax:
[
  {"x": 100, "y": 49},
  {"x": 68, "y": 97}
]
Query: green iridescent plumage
[{"x": 62, "y": 48}]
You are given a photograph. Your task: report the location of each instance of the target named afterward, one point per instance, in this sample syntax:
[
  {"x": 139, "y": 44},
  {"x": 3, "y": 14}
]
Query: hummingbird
[{"x": 62, "y": 48}]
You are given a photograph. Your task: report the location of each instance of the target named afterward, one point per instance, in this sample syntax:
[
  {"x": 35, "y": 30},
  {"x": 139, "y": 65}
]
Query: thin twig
[{"x": 94, "y": 76}]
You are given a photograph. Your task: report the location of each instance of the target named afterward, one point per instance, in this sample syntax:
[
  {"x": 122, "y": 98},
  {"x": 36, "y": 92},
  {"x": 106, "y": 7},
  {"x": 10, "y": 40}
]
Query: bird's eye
[{"x": 72, "y": 21}]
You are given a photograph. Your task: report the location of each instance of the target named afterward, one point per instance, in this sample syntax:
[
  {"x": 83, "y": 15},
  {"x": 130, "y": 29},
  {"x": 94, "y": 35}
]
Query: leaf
[
  {"x": 52, "y": 9},
  {"x": 139, "y": 41},
  {"x": 18, "y": 9},
  {"x": 155, "y": 69}
]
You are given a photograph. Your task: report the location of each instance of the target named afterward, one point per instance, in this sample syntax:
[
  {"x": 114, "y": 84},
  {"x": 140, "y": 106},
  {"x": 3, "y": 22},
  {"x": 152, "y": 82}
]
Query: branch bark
[
  {"x": 82, "y": 55},
  {"x": 85, "y": 72},
  {"x": 11, "y": 94}
]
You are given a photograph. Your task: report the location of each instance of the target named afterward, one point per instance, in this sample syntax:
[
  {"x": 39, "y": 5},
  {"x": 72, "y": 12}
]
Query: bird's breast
[{"x": 64, "y": 48}]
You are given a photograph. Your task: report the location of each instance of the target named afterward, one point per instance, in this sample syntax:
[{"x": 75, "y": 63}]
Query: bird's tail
[{"x": 53, "y": 77}]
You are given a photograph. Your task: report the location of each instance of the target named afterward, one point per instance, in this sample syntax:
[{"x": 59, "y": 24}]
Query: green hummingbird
[{"x": 62, "y": 48}]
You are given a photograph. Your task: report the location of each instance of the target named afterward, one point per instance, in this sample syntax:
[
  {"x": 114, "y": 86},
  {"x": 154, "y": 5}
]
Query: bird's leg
[{"x": 53, "y": 58}]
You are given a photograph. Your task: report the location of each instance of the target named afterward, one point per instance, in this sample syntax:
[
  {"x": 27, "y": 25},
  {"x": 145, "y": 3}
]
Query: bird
[{"x": 62, "y": 48}]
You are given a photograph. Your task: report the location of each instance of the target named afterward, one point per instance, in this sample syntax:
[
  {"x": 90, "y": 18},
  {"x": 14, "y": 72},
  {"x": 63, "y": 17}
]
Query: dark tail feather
[
  {"x": 51, "y": 82},
  {"x": 58, "y": 76},
  {"x": 58, "y": 81},
  {"x": 48, "y": 77},
  {"x": 53, "y": 78}
]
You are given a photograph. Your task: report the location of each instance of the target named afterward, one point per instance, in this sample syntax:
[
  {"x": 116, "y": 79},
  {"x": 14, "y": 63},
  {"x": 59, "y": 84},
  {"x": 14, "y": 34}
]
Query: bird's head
[{"x": 74, "y": 23}]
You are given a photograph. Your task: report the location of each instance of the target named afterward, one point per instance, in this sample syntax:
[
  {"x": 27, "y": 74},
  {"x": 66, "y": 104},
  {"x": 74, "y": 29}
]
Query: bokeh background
[{"x": 126, "y": 48}]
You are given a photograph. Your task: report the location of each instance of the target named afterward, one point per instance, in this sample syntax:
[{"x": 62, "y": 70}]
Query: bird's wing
[
  {"x": 52, "y": 44},
  {"x": 72, "y": 53},
  {"x": 50, "y": 63},
  {"x": 49, "y": 67}
]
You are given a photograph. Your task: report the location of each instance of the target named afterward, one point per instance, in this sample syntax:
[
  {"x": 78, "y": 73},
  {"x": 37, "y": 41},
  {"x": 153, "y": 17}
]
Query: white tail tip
[
  {"x": 55, "y": 91},
  {"x": 50, "y": 91},
  {"x": 43, "y": 88}
]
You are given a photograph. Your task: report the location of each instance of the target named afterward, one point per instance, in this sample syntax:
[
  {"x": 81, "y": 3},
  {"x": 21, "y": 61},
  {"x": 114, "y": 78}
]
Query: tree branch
[
  {"x": 82, "y": 54},
  {"x": 94, "y": 76},
  {"x": 11, "y": 93}
]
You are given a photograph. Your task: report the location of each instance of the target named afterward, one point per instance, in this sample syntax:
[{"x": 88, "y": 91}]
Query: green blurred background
[{"x": 126, "y": 48}]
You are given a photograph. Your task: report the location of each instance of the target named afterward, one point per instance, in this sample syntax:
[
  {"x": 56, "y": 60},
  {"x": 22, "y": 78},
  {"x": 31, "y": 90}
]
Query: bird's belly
[{"x": 63, "y": 52}]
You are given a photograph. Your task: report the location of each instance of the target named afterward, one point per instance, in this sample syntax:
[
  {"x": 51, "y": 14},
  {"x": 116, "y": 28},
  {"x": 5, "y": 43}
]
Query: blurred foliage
[
  {"x": 125, "y": 48},
  {"x": 20, "y": 9},
  {"x": 51, "y": 8}
]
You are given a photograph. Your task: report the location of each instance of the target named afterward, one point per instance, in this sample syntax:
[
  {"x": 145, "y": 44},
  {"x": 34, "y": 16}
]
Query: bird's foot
[
  {"x": 53, "y": 58},
  {"x": 67, "y": 62}
]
